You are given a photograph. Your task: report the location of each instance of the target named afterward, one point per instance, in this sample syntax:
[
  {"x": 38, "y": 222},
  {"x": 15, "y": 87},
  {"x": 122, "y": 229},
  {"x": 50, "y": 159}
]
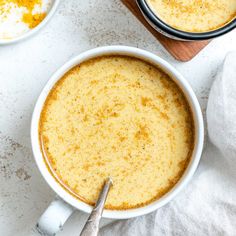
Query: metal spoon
[{"x": 91, "y": 227}]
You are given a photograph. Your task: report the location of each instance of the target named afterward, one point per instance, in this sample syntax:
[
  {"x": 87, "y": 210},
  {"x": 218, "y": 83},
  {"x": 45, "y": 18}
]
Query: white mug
[{"x": 60, "y": 209}]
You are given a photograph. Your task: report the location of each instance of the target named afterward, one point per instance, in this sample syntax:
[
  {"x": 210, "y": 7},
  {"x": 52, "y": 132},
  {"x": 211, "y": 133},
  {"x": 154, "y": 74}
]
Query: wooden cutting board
[{"x": 182, "y": 51}]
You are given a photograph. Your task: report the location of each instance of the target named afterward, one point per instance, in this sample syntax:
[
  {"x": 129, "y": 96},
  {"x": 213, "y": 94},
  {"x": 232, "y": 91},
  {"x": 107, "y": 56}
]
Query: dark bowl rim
[{"x": 147, "y": 11}]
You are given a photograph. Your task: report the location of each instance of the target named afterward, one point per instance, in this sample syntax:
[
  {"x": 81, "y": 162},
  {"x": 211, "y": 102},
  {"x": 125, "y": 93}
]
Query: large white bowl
[
  {"x": 177, "y": 77},
  {"x": 34, "y": 30}
]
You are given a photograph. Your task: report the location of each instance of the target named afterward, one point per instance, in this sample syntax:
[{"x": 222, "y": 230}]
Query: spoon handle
[{"x": 91, "y": 227}]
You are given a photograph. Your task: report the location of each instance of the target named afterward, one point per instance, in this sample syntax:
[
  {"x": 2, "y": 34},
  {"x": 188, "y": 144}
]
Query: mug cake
[
  {"x": 190, "y": 20},
  {"x": 194, "y": 16},
  {"x": 121, "y": 117}
]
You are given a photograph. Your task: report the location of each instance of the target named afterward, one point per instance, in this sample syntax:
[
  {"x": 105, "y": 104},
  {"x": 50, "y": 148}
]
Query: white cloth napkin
[
  {"x": 207, "y": 206},
  {"x": 221, "y": 112}
]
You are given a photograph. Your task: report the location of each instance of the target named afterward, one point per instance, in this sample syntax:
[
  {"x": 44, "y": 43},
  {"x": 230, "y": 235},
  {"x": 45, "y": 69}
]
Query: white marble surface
[{"x": 27, "y": 66}]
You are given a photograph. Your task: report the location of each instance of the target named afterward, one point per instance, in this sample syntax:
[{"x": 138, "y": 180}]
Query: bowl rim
[
  {"x": 156, "y": 21},
  {"x": 33, "y": 31},
  {"x": 175, "y": 75}
]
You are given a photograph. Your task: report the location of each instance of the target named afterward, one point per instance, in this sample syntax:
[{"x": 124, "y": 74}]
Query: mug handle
[{"x": 53, "y": 219}]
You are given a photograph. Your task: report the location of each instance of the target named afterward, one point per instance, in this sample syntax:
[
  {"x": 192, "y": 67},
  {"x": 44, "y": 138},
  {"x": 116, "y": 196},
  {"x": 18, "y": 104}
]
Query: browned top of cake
[
  {"x": 194, "y": 15},
  {"x": 121, "y": 117}
]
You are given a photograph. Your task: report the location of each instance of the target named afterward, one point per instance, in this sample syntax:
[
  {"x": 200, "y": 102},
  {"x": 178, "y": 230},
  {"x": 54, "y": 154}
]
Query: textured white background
[{"x": 27, "y": 66}]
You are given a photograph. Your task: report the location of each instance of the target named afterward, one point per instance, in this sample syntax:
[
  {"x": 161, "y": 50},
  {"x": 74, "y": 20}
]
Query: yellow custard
[
  {"x": 194, "y": 15},
  {"x": 121, "y": 117}
]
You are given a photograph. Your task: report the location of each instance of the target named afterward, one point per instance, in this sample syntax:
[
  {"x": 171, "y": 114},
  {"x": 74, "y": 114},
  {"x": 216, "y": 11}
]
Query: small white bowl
[
  {"x": 35, "y": 29},
  {"x": 62, "y": 210}
]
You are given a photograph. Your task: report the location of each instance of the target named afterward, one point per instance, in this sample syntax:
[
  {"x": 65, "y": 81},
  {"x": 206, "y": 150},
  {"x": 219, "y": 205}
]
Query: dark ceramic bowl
[{"x": 171, "y": 32}]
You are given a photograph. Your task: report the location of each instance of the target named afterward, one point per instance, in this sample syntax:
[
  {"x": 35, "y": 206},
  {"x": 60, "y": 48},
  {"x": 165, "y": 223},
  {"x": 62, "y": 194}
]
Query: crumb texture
[
  {"x": 194, "y": 15},
  {"x": 121, "y": 117}
]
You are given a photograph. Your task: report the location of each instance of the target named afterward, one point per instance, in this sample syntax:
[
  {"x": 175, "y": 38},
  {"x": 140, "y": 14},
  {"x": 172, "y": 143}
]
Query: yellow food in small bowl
[{"x": 196, "y": 16}]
